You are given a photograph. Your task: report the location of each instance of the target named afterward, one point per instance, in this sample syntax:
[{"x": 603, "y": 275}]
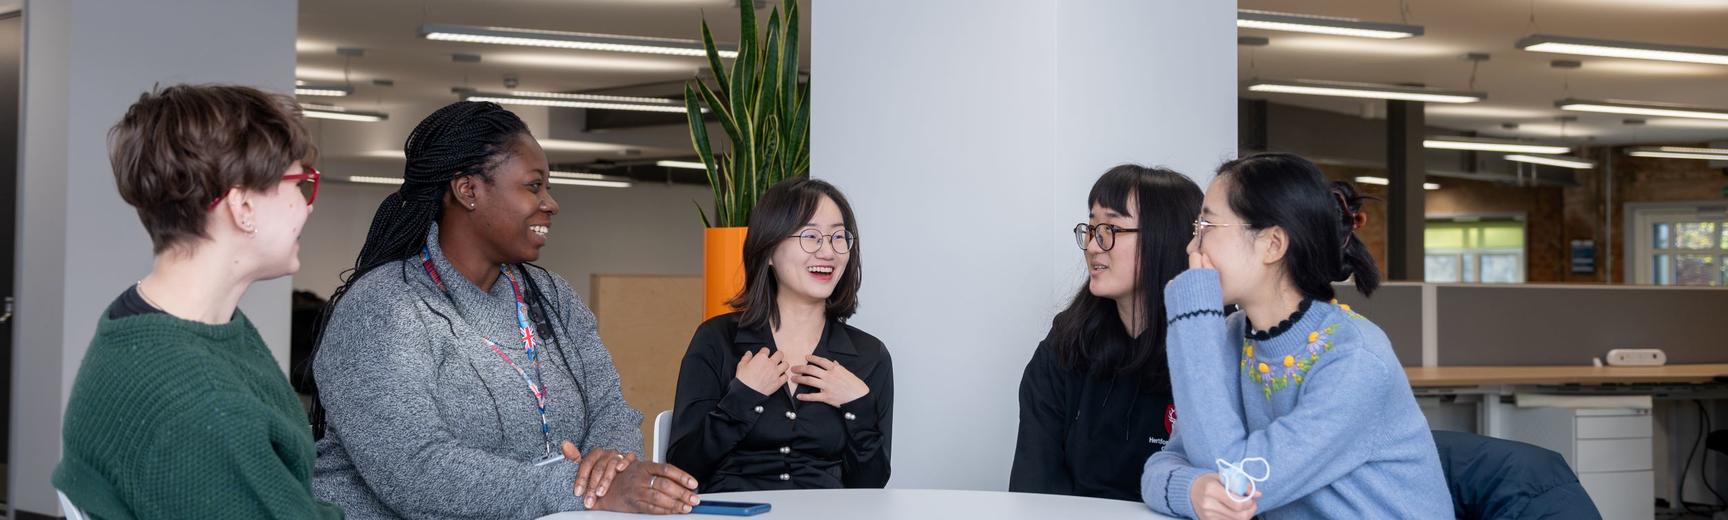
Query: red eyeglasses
[{"x": 306, "y": 181}]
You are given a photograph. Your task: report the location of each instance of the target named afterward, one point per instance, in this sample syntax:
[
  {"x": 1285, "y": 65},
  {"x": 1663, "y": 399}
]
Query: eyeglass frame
[
  {"x": 1092, "y": 234},
  {"x": 851, "y": 241},
  {"x": 1201, "y": 224},
  {"x": 306, "y": 173}
]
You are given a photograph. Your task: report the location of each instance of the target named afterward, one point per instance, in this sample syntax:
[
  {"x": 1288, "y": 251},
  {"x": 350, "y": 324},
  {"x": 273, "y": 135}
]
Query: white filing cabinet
[{"x": 1609, "y": 448}]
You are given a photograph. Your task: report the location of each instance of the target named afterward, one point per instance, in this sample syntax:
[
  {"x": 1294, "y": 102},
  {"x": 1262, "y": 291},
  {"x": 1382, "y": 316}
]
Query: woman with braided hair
[{"x": 456, "y": 378}]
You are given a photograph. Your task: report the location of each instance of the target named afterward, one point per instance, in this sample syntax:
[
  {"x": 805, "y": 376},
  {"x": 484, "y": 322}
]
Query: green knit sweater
[{"x": 170, "y": 418}]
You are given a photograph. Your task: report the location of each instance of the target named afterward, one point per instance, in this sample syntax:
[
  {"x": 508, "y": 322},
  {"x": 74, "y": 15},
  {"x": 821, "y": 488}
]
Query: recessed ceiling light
[
  {"x": 1620, "y": 49},
  {"x": 1364, "y": 90},
  {"x": 1291, "y": 22},
  {"x": 365, "y": 179},
  {"x": 570, "y": 40}
]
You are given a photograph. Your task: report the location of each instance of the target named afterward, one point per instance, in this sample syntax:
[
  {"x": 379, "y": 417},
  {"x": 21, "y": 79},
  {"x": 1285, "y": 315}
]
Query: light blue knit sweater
[{"x": 1325, "y": 402}]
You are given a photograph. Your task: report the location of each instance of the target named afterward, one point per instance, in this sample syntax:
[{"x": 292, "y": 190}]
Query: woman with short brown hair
[{"x": 179, "y": 409}]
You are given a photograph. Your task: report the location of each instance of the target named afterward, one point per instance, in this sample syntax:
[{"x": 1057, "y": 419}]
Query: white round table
[{"x": 911, "y": 504}]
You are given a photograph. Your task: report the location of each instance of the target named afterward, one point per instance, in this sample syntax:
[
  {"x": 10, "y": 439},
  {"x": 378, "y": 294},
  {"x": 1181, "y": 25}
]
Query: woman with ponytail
[
  {"x": 1294, "y": 407},
  {"x": 456, "y": 378}
]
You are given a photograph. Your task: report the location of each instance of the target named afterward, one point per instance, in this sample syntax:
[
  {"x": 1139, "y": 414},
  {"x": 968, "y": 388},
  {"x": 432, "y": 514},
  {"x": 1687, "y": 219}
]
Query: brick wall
[{"x": 1554, "y": 216}]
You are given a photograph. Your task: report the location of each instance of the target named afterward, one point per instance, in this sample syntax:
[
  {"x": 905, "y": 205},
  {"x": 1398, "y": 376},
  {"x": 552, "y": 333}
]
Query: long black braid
[{"x": 464, "y": 138}]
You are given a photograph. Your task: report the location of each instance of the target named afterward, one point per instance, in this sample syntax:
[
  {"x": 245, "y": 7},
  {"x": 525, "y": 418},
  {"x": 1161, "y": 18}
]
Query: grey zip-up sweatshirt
[{"x": 426, "y": 421}]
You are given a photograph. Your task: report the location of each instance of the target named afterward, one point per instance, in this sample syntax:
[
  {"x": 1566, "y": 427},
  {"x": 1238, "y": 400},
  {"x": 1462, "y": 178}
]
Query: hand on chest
[{"x": 801, "y": 369}]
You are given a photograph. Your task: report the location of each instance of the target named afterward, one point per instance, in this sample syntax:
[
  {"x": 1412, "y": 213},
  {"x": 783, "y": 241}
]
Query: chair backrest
[
  {"x": 662, "y": 435},
  {"x": 71, "y": 511},
  {"x": 1499, "y": 478}
]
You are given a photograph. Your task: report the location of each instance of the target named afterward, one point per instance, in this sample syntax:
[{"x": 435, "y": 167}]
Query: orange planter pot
[{"x": 722, "y": 268}]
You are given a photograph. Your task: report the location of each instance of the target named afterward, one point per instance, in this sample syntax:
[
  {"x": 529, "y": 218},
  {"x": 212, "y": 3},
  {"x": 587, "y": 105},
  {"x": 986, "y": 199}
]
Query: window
[
  {"x": 1681, "y": 246},
  {"x": 1474, "y": 251}
]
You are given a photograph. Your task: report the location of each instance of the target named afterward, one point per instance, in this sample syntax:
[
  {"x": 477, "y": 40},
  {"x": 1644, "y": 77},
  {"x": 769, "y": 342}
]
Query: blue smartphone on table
[{"x": 716, "y": 507}]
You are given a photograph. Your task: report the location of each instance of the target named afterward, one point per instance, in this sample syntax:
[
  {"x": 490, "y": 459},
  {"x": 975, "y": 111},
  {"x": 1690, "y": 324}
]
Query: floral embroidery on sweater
[{"x": 1279, "y": 374}]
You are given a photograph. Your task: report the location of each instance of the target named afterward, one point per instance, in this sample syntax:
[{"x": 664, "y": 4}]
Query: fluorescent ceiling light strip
[
  {"x": 594, "y": 183},
  {"x": 569, "y": 40},
  {"x": 578, "y": 175},
  {"x": 571, "y": 103},
  {"x": 597, "y": 97},
  {"x": 693, "y": 165},
  {"x": 365, "y": 179},
  {"x": 317, "y": 111},
  {"x": 1641, "y": 108},
  {"x": 1290, "y": 22},
  {"x": 1688, "y": 149},
  {"x": 364, "y": 117},
  {"x": 1563, "y": 162},
  {"x": 1364, "y": 90},
  {"x": 1486, "y": 145},
  {"x": 1658, "y": 153},
  {"x": 1382, "y": 181},
  {"x": 1620, "y": 49},
  {"x": 302, "y": 91},
  {"x": 321, "y": 89}
]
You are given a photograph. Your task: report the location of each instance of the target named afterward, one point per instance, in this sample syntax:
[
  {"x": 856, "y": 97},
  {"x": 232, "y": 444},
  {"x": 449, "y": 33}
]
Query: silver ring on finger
[{"x": 651, "y": 480}]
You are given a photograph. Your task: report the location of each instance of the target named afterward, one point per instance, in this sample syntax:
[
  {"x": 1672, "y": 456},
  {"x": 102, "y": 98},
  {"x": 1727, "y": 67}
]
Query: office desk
[
  {"x": 913, "y": 504},
  {"x": 1598, "y": 424},
  {"x": 1431, "y": 377}
]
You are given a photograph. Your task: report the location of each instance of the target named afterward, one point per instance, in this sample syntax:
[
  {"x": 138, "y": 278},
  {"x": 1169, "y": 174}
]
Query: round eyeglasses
[
  {"x": 841, "y": 241},
  {"x": 1104, "y": 234}
]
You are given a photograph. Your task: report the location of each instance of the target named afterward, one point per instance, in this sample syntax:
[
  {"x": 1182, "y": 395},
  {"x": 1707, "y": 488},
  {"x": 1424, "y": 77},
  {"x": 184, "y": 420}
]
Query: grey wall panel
[
  {"x": 1397, "y": 309},
  {"x": 1485, "y": 325}
]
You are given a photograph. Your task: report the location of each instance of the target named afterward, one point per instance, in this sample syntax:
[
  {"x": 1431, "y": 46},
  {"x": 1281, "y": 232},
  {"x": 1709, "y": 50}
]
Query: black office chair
[{"x": 1500, "y": 479}]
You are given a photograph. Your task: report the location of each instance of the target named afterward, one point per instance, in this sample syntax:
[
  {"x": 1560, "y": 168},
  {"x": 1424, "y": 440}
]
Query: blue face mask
[{"x": 1239, "y": 483}]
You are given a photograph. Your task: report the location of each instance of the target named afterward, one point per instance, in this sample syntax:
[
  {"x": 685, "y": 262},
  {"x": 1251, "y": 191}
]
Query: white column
[
  {"x": 967, "y": 135},
  {"x": 79, "y": 245}
]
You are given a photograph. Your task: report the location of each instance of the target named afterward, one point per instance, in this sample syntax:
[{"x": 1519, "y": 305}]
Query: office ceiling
[{"x": 1521, "y": 85}]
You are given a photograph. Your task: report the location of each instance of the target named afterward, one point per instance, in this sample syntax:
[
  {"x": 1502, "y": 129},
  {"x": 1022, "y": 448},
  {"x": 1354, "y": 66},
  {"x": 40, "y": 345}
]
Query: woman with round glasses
[
  {"x": 783, "y": 394},
  {"x": 1095, "y": 400}
]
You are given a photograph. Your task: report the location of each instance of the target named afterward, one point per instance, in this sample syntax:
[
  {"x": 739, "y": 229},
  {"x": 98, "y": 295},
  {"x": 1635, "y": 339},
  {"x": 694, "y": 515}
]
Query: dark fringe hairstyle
[
  {"x": 783, "y": 211},
  {"x": 1166, "y": 203}
]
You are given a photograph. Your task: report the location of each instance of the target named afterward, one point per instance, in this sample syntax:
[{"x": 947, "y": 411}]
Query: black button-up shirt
[{"x": 733, "y": 438}]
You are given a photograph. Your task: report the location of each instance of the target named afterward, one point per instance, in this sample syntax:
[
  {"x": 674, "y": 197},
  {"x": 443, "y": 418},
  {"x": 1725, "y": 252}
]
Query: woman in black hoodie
[{"x": 1095, "y": 399}]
